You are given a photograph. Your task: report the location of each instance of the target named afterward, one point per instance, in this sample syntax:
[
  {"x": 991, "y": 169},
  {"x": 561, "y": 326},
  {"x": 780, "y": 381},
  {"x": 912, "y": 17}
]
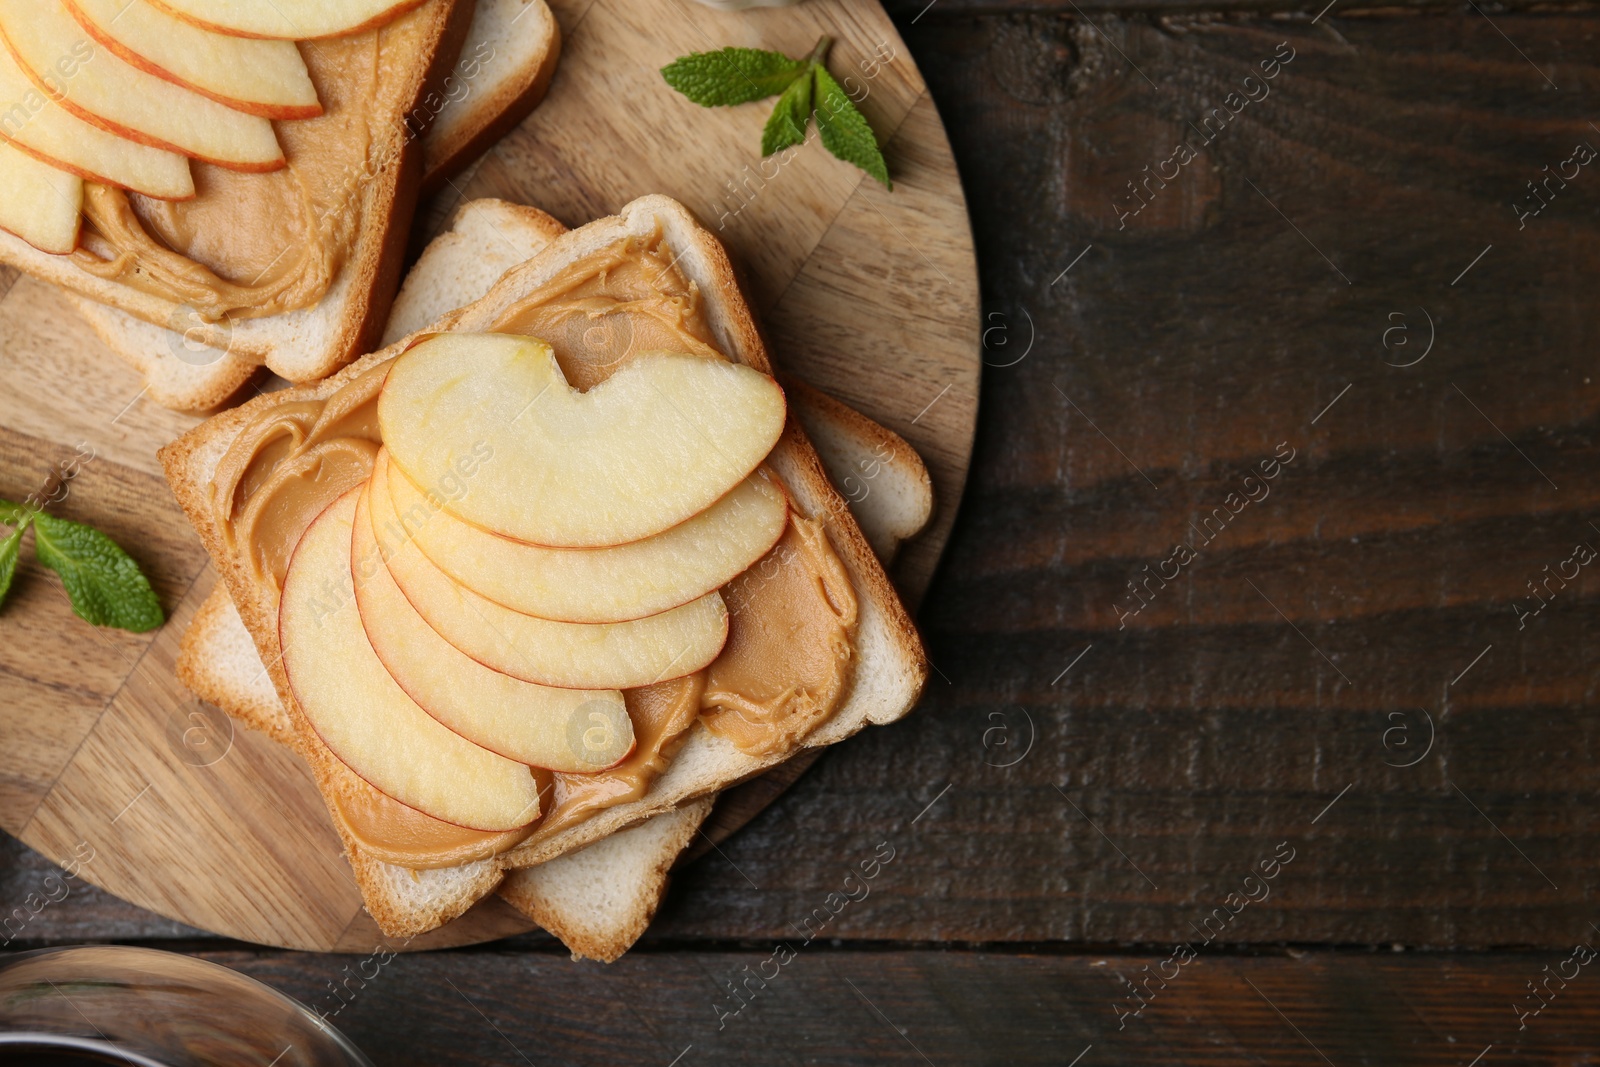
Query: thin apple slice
[
  {"x": 33, "y": 122},
  {"x": 572, "y": 655},
  {"x": 598, "y": 584},
  {"x": 558, "y": 729},
  {"x": 38, "y": 203},
  {"x": 266, "y": 78},
  {"x": 390, "y": 832},
  {"x": 299, "y": 20},
  {"x": 98, "y": 87},
  {"x": 363, "y": 716},
  {"x": 658, "y": 442}
]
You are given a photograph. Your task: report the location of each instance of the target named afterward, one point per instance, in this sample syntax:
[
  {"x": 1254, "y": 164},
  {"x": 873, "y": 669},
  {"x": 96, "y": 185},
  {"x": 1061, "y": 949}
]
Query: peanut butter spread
[
  {"x": 395, "y": 833},
  {"x": 249, "y": 245},
  {"x": 392, "y": 832},
  {"x": 789, "y": 656},
  {"x": 614, "y": 303},
  {"x": 661, "y": 714}
]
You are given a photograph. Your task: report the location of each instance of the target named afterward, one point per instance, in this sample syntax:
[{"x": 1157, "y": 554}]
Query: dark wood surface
[{"x": 1341, "y": 671}]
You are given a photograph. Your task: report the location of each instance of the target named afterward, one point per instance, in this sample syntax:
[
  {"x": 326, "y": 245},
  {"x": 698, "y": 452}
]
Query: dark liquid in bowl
[{"x": 52, "y": 1055}]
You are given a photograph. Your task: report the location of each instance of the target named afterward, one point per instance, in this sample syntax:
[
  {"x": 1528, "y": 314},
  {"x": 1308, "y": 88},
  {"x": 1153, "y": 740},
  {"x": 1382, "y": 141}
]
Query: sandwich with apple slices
[
  {"x": 599, "y": 899},
  {"x": 251, "y": 191},
  {"x": 608, "y": 428}
]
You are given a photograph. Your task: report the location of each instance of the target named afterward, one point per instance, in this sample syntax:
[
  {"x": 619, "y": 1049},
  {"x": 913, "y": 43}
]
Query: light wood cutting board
[{"x": 869, "y": 295}]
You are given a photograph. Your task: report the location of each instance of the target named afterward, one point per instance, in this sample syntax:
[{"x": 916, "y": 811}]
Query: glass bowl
[{"x": 99, "y": 1004}]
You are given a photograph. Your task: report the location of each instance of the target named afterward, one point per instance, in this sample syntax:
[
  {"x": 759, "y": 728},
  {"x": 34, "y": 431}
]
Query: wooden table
[{"x": 1343, "y": 680}]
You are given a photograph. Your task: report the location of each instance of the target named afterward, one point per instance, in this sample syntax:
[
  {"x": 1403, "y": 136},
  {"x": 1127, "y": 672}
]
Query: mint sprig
[
  {"x": 845, "y": 131},
  {"x": 732, "y": 75},
  {"x": 786, "y": 126},
  {"x": 104, "y": 584},
  {"x": 804, "y": 88},
  {"x": 10, "y": 552}
]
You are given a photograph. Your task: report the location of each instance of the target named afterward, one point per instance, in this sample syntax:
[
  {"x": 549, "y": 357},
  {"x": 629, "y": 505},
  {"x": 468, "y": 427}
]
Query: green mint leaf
[
  {"x": 13, "y": 514},
  {"x": 845, "y": 131},
  {"x": 105, "y": 586},
  {"x": 732, "y": 75},
  {"x": 787, "y": 126},
  {"x": 10, "y": 552}
]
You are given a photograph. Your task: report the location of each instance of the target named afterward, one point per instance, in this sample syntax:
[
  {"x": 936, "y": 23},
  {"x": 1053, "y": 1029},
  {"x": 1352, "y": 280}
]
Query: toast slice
[
  {"x": 485, "y": 239},
  {"x": 889, "y": 489},
  {"x": 506, "y": 64},
  {"x": 191, "y": 365},
  {"x": 598, "y": 900},
  {"x": 890, "y": 667}
]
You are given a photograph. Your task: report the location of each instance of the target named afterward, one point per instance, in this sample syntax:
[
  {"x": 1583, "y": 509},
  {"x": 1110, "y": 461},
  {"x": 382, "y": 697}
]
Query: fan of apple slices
[
  {"x": 125, "y": 92},
  {"x": 521, "y": 554}
]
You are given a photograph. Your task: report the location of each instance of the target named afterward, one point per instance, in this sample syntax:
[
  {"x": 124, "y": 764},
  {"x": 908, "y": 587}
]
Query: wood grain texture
[
  {"x": 922, "y": 13},
  {"x": 1184, "y": 349},
  {"x": 864, "y": 292},
  {"x": 847, "y": 1007}
]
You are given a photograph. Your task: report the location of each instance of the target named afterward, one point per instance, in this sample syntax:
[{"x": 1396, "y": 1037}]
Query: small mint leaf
[
  {"x": 732, "y": 75},
  {"x": 845, "y": 131},
  {"x": 787, "y": 125},
  {"x": 10, "y": 552},
  {"x": 13, "y": 514},
  {"x": 105, "y": 586}
]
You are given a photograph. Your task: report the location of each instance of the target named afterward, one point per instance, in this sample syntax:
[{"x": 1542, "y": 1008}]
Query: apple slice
[
  {"x": 33, "y": 122},
  {"x": 598, "y": 584},
  {"x": 558, "y": 729},
  {"x": 300, "y": 20},
  {"x": 390, "y": 832},
  {"x": 38, "y": 203},
  {"x": 658, "y": 442},
  {"x": 363, "y": 716},
  {"x": 573, "y": 655},
  {"x": 266, "y": 78},
  {"x": 92, "y": 83}
]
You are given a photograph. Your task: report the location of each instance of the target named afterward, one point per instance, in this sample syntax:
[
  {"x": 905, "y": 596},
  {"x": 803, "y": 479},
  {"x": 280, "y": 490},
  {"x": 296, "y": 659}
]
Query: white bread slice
[
  {"x": 218, "y": 662},
  {"x": 506, "y": 64},
  {"x": 882, "y": 476},
  {"x": 309, "y": 342},
  {"x": 485, "y": 239},
  {"x": 890, "y": 666},
  {"x": 180, "y": 371},
  {"x": 599, "y": 899}
]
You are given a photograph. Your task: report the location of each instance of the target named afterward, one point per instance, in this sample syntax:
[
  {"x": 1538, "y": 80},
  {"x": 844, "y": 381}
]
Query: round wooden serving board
[{"x": 868, "y": 294}]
